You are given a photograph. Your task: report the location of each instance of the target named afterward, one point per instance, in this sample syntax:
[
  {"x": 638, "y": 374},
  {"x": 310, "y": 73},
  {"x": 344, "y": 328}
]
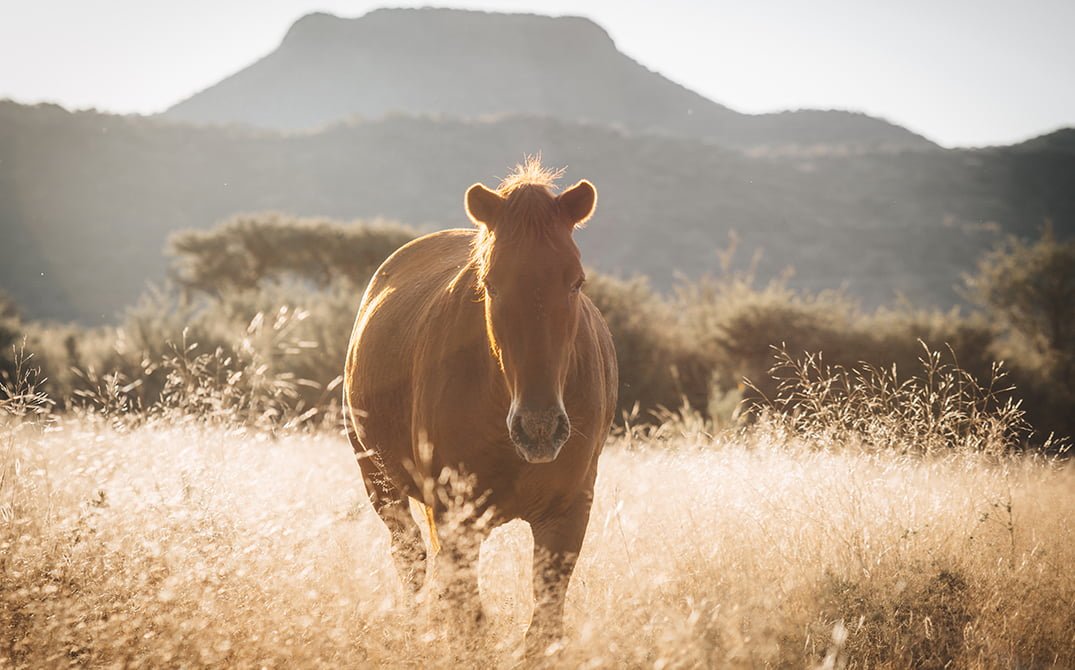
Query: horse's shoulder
[
  {"x": 596, "y": 321},
  {"x": 601, "y": 349}
]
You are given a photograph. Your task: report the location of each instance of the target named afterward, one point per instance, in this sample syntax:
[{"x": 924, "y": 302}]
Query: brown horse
[{"x": 477, "y": 351}]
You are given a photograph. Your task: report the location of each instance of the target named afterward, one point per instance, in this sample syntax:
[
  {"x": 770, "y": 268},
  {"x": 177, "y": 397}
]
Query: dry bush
[
  {"x": 940, "y": 408},
  {"x": 23, "y": 400},
  {"x": 11, "y": 328},
  {"x": 261, "y": 353},
  {"x": 733, "y": 325},
  {"x": 737, "y": 324},
  {"x": 658, "y": 364},
  {"x": 1030, "y": 288}
]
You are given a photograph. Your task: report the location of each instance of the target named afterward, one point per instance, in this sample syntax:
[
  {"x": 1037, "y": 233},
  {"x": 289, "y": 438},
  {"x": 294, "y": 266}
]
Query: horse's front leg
[
  {"x": 458, "y": 565},
  {"x": 557, "y": 541},
  {"x": 461, "y": 536}
]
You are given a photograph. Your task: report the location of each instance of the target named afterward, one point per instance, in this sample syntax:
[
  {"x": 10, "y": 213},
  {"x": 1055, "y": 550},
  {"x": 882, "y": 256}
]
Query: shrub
[
  {"x": 658, "y": 365},
  {"x": 736, "y": 325},
  {"x": 1030, "y": 289},
  {"x": 941, "y": 408},
  {"x": 259, "y": 356},
  {"x": 11, "y": 332}
]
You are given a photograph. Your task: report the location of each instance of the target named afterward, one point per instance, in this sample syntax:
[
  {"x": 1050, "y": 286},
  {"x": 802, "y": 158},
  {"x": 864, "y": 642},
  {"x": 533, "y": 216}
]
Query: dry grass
[{"x": 172, "y": 544}]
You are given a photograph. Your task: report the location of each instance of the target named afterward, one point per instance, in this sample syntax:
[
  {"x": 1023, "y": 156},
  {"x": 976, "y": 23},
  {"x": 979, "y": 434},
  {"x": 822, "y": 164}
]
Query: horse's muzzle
[{"x": 538, "y": 435}]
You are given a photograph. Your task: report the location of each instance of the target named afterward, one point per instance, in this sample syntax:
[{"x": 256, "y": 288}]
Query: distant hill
[
  {"x": 87, "y": 200},
  {"x": 1058, "y": 141},
  {"x": 473, "y": 64}
]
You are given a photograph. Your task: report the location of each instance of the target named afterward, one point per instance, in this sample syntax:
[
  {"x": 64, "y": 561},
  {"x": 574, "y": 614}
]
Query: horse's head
[{"x": 530, "y": 275}]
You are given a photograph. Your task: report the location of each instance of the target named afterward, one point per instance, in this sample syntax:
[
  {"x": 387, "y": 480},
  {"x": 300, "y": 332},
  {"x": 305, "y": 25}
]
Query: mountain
[
  {"x": 87, "y": 200},
  {"x": 474, "y": 64}
]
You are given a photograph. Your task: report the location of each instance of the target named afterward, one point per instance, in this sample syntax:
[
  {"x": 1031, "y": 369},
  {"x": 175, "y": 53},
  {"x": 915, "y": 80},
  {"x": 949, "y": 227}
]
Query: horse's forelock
[
  {"x": 529, "y": 216},
  {"x": 530, "y": 210},
  {"x": 529, "y": 173}
]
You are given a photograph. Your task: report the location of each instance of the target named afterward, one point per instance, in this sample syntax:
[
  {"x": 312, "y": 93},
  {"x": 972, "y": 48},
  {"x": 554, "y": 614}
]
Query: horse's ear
[
  {"x": 578, "y": 202},
  {"x": 483, "y": 206}
]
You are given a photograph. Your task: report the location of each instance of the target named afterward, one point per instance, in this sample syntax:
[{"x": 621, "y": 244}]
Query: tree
[
  {"x": 1030, "y": 289},
  {"x": 10, "y": 335},
  {"x": 248, "y": 249}
]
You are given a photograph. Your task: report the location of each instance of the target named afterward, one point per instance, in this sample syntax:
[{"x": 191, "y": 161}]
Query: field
[
  {"x": 174, "y": 542},
  {"x": 188, "y": 501},
  {"x": 843, "y": 407}
]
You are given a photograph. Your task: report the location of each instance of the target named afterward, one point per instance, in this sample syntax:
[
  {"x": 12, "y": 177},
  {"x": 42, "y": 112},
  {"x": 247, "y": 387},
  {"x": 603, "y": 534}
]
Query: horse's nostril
[
  {"x": 518, "y": 433},
  {"x": 534, "y": 427},
  {"x": 563, "y": 428}
]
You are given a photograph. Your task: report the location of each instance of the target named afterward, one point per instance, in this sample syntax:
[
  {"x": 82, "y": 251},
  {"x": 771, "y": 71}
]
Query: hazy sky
[{"x": 960, "y": 72}]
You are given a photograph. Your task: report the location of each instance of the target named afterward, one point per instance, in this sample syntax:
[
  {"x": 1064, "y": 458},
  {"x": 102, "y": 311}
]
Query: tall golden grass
[{"x": 182, "y": 543}]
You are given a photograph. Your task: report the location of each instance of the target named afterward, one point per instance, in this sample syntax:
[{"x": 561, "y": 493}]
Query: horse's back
[
  {"x": 400, "y": 297},
  {"x": 418, "y": 269}
]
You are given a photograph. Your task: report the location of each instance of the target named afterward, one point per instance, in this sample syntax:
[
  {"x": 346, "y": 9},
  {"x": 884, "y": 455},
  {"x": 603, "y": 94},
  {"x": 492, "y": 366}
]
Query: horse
[{"x": 477, "y": 351}]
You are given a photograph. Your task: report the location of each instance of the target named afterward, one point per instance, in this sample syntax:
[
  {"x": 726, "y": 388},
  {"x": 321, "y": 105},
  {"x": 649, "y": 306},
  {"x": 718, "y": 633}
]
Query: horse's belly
[{"x": 378, "y": 383}]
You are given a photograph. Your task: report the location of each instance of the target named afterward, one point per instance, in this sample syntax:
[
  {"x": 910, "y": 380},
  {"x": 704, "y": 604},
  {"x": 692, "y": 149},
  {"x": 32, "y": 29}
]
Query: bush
[
  {"x": 1028, "y": 290},
  {"x": 658, "y": 365},
  {"x": 740, "y": 328},
  {"x": 262, "y": 355},
  {"x": 736, "y": 326},
  {"x": 941, "y": 408},
  {"x": 11, "y": 332}
]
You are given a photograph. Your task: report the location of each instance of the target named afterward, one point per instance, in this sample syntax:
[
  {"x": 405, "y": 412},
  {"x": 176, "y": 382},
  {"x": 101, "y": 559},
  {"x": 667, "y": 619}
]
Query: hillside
[
  {"x": 87, "y": 200},
  {"x": 473, "y": 64}
]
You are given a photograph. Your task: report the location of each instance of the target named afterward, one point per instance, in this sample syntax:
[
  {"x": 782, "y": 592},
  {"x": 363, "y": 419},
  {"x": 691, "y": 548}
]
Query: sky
[{"x": 960, "y": 72}]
